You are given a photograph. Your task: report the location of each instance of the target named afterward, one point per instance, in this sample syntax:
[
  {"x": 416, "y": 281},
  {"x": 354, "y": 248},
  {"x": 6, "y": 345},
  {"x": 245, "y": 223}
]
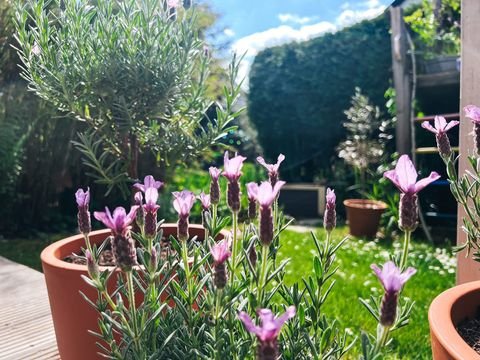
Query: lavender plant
[
  {"x": 464, "y": 188},
  {"x": 185, "y": 298},
  {"x": 389, "y": 311},
  {"x": 134, "y": 72}
]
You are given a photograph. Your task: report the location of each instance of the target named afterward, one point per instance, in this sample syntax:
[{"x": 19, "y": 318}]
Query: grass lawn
[
  {"x": 436, "y": 272},
  {"x": 355, "y": 279}
]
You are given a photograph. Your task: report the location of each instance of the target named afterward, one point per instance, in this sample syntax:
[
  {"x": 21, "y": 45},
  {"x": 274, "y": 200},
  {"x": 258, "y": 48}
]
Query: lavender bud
[
  {"x": 408, "y": 212},
  {"x": 92, "y": 267},
  {"x": 214, "y": 192},
  {"x": 140, "y": 216},
  {"x": 233, "y": 195},
  {"x": 182, "y": 228},
  {"x": 330, "y": 219},
  {"x": 220, "y": 275},
  {"x": 252, "y": 255},
  {"x": 151, "y": 224},
  {"x": 83, "y": 218},
  {"x": 266, "y": 225},
  {"x": 388, "y": 309},
  {"x": 443, "y": 145},
  {"x": 123, "y": 248},
  {"x": 267, "y": 350},
  {"x": 252, "y": 209},
  {"x": 154, "y": 258}
]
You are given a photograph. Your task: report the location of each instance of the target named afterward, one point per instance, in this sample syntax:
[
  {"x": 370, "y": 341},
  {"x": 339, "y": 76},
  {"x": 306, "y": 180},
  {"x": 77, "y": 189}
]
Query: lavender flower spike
[
  {"x": 151, "y": 207},
  {"x": 266, "y": 196},
  {"x": 473, "y": 113},
  {"x": 330, "y": 215},
  {"x": 83, "y": 215},
  {"x": 272, "y": 168},
  {"x": 440, "y": 131},
  {"x": 183, "y": 203},
  {"x": 232, "y": 171},
  {"x": 220, "y": 253},
  {"x": 405, "y": 179},
  {"x": 392, "y": 280},
  {"x": 214, "y": 186},
  {"x": 123, "y": 246},
  {"x": 252, "y": 190},
  {"x": 268, "y": 331}
]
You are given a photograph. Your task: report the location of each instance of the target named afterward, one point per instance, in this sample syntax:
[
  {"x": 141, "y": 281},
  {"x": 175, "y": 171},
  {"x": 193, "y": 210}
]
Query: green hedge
[{"x": 298, "y": 93}]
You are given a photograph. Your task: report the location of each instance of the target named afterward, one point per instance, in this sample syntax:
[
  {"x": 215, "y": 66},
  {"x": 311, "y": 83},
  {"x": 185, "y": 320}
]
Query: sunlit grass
[{"x": 354, "y": 279}]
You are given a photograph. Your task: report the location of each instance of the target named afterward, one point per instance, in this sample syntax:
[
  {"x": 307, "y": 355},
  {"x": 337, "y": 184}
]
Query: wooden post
[
  {"x": 468, "y": 270},
  {"x": 401, "y": 80}
]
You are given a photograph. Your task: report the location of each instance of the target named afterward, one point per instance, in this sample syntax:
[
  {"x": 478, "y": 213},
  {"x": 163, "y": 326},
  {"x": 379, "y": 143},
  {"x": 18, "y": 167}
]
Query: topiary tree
[{"x": 134, "y": 71}]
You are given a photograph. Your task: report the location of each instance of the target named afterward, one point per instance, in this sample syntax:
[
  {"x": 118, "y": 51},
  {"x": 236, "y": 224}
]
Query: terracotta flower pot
[
  {"x": 363, "y": 216},
  {"x": 446, "y": 311},
  {"x": 72, "y": 315}
]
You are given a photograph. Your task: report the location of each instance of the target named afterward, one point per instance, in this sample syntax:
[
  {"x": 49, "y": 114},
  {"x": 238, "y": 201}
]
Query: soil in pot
[{"x": 469, "y": 330}]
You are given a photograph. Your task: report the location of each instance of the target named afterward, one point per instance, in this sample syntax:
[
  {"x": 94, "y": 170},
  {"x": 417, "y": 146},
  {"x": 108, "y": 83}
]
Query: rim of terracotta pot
[
  {"x": 365, "y": 204},
  {"x": 50, "y": 255},
  {"x": 440, "y": 319}
]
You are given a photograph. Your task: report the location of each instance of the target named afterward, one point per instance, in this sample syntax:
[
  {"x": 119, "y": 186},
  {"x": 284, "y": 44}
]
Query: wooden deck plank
[{"x": 26, "y": 328}]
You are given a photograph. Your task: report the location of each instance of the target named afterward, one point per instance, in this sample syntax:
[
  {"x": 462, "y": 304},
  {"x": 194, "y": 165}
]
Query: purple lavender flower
[
  {"x": 232, "y": 171},
  {"x": 148, "y": 182},
  {"x": 220, "y": 253},
  {"x": 205, "y": 201},
  {"x": 183, "y": 203},
  {"x": 214, "y": 185},
  {"x": 440, "y": 131},
  {"x": 392, "y": 280},
  {"x": 151, "y": 207},
  {"x": 252, "y": 190},
  {"x": 473, "y": 113},
  {"x": 83, "y": 215},
  {"x": 272, "y": 168},
  {"x": 330, "y": 215},
  {"x": 405, "y": 179},
  {"x": 173, "y": 4},
  {"x": 268, "y": 331},
  {"x": 123, "y": 246},
  {"x": 266, "y": 196}
]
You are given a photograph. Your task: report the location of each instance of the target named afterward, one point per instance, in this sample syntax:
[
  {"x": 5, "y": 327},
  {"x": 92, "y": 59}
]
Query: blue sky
[{"x": 253, "y": 25}]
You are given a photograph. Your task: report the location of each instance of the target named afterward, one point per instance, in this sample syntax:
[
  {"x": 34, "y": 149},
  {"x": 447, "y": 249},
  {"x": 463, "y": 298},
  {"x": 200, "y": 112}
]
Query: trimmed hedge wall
[{"x": 298, "y": 93}]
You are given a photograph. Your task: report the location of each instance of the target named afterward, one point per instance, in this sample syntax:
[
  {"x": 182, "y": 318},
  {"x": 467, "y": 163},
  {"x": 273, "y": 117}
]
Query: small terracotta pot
[
  {"x": 448, "y": 310},
  {"x": 363, "y": 216},
  {"x": 72, "y": 315}
]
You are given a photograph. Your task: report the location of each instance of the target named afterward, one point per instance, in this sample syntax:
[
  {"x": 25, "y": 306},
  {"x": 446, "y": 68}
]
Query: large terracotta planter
[
  {"x": 363, "y": 216},
  {"x": 72, "y": 315},
  {"x": 446, "y": 311}
]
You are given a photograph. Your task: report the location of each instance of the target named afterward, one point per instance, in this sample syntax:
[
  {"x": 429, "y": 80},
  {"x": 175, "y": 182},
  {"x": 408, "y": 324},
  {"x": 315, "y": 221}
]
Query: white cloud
[
  {"x": 254, "y": 43},
  {"x": 295, "y": 19},
  {"x": 229, "y": 32}
]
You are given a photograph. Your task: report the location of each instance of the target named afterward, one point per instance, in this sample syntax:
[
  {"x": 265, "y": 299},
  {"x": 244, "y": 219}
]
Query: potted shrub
[
  {"x": 179, "y": 298},
  {"x": 453, "y": 315},
  {"x": 364, "y": 147}
]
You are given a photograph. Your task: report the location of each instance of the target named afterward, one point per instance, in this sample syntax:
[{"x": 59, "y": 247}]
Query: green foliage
[
  {"x": 298, "y": 93},
  {"x": 438, "y": 30},
  {"x": 134, "y": 71},
  {"x": 367, "y": 135}
]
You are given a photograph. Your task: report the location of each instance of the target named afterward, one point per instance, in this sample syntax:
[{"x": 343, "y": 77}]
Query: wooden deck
[{"x": 26, "y": 328}]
